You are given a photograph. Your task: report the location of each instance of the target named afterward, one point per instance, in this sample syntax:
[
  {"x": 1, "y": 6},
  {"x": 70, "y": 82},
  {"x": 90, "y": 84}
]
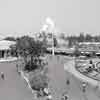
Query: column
[
  {"x": 0, "y": 54},
  {"x": 5, "y": 53}
]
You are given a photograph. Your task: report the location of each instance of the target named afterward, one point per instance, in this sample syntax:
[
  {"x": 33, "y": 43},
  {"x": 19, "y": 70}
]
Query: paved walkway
[
  {"x": 13, "y": 87},
  {"x": 8, "y": 59},
  {"x": 57, "y": 77},
  {"x": 70, "y": 67},
  {"x": 58, "y": 81}
]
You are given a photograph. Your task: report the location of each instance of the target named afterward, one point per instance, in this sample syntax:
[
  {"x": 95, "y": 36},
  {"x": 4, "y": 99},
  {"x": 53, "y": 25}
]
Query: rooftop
[{"x": 5, "y": 44}]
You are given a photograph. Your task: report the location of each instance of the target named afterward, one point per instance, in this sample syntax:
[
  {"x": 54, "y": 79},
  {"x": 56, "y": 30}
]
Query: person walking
[
  {"x": 68, "y": 84},
  {"x": 2, "y": 75},
  {"x": 84, "y": 87},
  {"x": 17, "y": 67}
]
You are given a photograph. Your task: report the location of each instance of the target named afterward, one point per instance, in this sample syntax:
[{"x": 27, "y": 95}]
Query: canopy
[{"x": 5, "y": 44}]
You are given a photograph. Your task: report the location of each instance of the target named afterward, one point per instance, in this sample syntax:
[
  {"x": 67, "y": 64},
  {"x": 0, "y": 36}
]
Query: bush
[
  {"x": 39, "y": 81},
  {"x": 30, "y": 66},
  {"x": 76, "y": 53},
  {"x": 37, "y": 64}
]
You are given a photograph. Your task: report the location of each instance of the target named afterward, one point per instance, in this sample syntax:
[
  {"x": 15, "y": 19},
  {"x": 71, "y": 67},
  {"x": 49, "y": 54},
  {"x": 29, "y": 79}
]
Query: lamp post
[{"x": 53, "y": 51}]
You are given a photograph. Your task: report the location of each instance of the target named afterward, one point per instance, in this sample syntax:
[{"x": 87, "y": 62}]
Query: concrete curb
[
  {"x": 27, "y": 81},
  {"x": 8, "y": 60},
  {"x": 71, "y": 69}
]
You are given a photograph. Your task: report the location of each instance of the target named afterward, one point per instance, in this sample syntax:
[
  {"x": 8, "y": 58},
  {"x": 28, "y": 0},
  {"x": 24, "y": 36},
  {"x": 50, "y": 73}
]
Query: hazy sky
[{"x": 70, "y": 16}]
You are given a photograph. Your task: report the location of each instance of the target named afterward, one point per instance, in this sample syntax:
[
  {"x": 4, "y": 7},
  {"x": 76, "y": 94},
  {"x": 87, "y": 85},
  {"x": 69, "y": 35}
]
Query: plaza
[
  {"x": 66, "y": 75},
  {"x": 60, "y": 69}
]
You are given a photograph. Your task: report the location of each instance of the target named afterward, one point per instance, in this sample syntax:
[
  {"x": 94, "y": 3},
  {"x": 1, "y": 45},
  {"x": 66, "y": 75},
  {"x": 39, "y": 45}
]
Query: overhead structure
[{"x": 5, "y": 50}]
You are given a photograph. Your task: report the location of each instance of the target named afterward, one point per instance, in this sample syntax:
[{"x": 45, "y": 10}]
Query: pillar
[
  {"x": 0, "y": 54},
  {"x": 5, "y": 53}
]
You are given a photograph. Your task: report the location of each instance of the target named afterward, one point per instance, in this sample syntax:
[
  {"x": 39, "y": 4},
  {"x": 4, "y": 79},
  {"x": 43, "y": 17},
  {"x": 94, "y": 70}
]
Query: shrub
[
  {"x": 30, "y": 66},
  {"x": 39, "y": 81}
]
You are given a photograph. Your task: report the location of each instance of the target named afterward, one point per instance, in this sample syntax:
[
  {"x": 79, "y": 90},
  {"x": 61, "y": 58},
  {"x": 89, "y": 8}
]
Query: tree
[
  {"x": 10, "y": 39},
  {"x": 70, "y": 39},
  {"x": 88, "y": 38},
  {"x": 44, "y": 36},
  {"x": 55, "y": 42},
  {"x": 81, "y": 37},
  {"x": 62, "y": 36},
  {"x": 76, "y": 51},
  {"x": 30, "y": 50},
  {"x": 39, "y": 81}
]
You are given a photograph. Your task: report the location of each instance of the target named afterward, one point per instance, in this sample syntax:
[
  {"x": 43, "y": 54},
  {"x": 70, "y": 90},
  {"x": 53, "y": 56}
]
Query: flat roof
[{"x": 5, "y": 44}]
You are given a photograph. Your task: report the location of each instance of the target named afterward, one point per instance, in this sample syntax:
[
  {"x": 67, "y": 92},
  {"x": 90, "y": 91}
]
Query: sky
[{"x": 18, "y": 17}]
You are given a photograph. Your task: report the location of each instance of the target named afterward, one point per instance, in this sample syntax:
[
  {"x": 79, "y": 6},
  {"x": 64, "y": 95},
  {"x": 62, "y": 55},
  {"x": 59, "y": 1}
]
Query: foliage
[
  {"x": 30, "y": 66},
  {"x": 76, "y": 53},
  {"x": 10, "y": 38},
  {"x": 62, "y": 36},
  {"x": 36, "y": 64},
  {"x": 82, "y": 38},
  {"x": 30, "y": 50},
  {"x": 39, "y": 81},
  {"x": 13, "y": 51},
  {"x": 55, "y": 42},
  {"x": 28, "y": 46},
  {"x": 43, "y": 36}
]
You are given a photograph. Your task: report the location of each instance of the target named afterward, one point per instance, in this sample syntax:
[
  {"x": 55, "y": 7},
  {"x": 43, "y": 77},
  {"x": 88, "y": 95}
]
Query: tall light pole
[
  {"x": 50, "y": 28},
  {"x": 53, "y": 51}
]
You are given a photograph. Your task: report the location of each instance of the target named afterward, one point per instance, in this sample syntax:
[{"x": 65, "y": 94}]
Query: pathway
[
  {"x": 76, "y": 88},
  {"x": 13, "y": 87},
  {"x": 58, "y": 78}
]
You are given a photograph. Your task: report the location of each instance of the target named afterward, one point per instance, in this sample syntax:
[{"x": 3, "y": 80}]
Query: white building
[{"x": 5, "y": 50}]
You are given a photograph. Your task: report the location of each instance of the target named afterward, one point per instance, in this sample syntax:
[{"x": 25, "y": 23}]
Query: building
[
  {"x": 5, "y": 50},
  {"x": 89, "y": 47}
]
